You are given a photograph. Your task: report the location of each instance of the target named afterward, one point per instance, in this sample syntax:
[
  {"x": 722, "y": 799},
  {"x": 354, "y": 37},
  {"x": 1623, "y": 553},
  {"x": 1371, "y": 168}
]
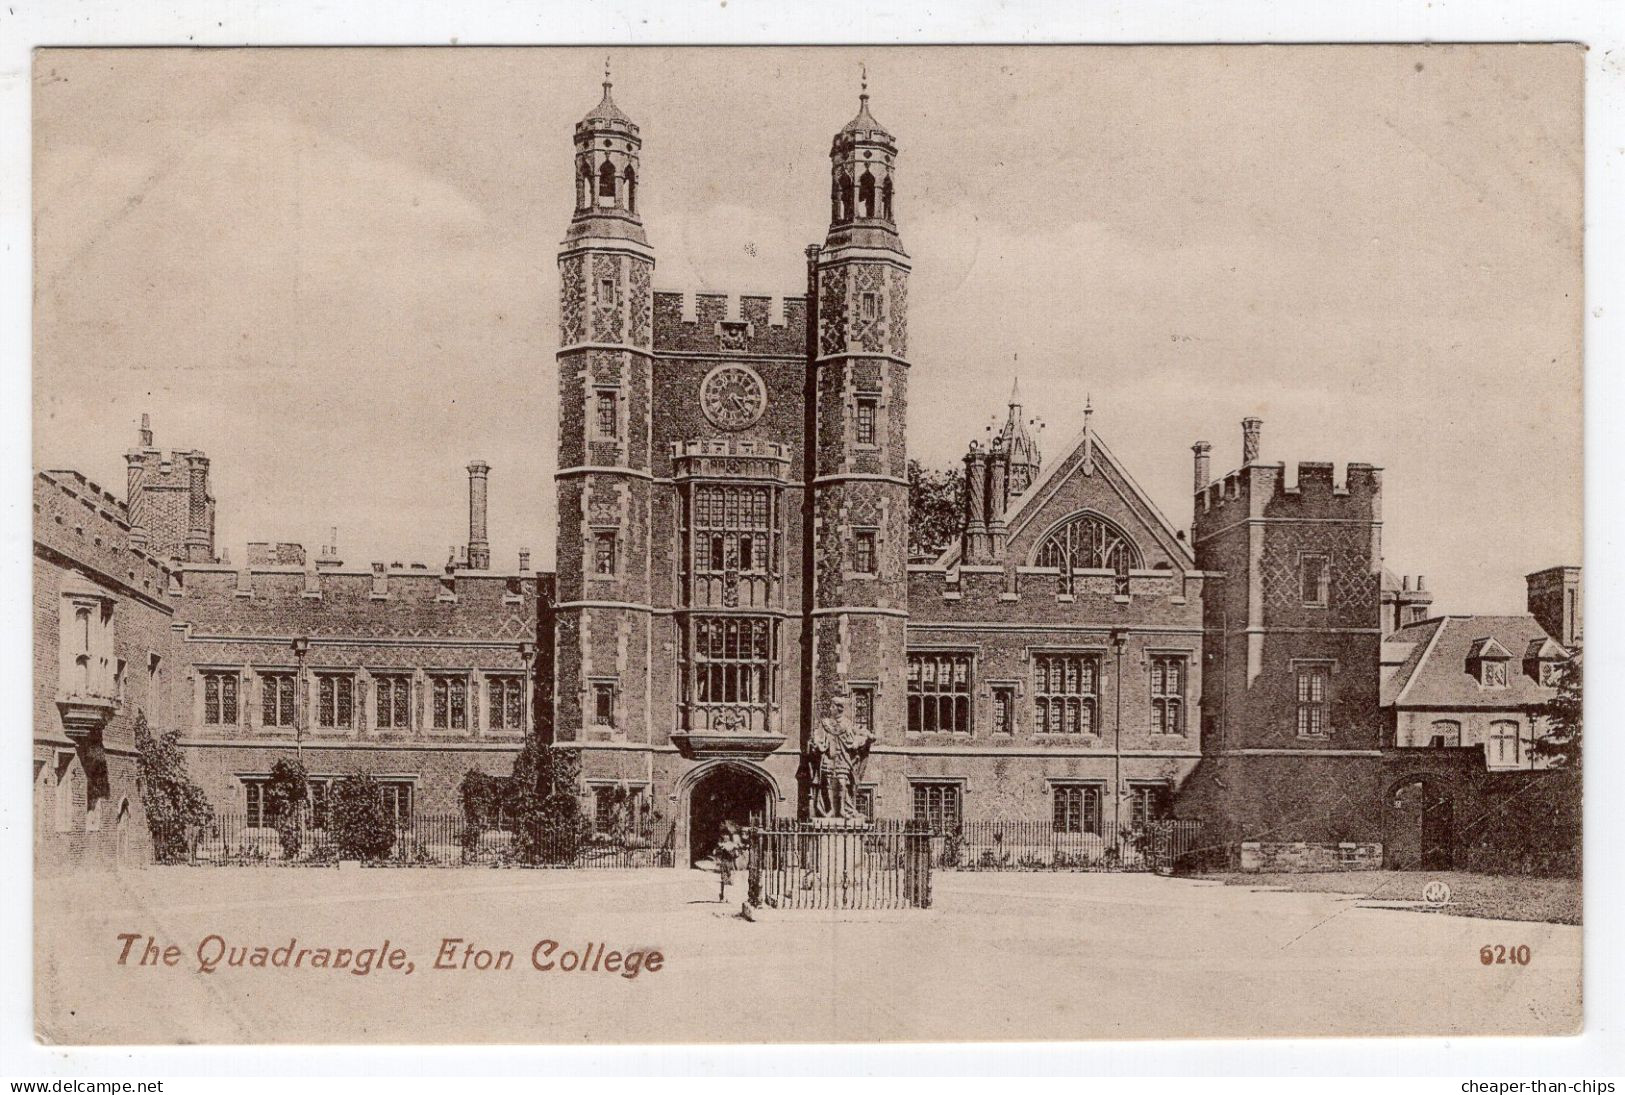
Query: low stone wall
[{"x": 1259, "y": 855}]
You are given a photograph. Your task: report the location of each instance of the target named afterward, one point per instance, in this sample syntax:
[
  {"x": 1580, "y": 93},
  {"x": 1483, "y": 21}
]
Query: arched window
[
  {"x": 630, "y": 178},
  {"x": 866, "y": 195},
  {"x": 606, "y": 182},
  {"x": 844, "y": 208},
  {"x": 885, "y": 198},
  {"x": 1444, "y": 734},
  {"x": 1088, "y": 541}
]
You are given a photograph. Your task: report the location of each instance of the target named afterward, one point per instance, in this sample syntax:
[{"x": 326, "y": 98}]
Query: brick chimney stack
[
  {"x": 1250, "y": 428},
  {"x": 1203, "y": 478},
  {"x": 1557, "y": 602},
  {"x": 524, "y": 560},
  {"x": 479, "y": 548}
]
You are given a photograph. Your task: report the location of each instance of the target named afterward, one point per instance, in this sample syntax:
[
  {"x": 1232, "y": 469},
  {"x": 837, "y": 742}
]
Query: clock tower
[
  {"x": 604, "y": 477},
  {"x": 857, "y": 456}
]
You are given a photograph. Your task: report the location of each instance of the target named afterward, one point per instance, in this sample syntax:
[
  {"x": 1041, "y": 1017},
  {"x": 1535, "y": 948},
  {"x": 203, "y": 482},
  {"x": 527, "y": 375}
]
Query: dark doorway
[
  {"x": 725, "y": 794},
  {"x": 1419, "y": 835}
]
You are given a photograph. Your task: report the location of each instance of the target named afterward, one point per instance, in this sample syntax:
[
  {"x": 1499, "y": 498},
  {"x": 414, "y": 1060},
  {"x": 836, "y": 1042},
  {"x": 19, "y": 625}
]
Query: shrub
[
  {"x": 285, "y": 798},
  {"x": 361, "y": 827},
  {"x": 174, "y": 804},
  {"x": 551, "y": 827}
]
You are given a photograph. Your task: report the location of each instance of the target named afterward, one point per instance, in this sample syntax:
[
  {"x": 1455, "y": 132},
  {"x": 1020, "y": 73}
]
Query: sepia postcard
[{"x": 738, "y": 545}]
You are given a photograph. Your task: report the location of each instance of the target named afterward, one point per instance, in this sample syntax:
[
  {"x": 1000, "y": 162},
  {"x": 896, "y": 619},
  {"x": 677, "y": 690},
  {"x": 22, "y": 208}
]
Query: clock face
[{"x": 733, "y": 397}]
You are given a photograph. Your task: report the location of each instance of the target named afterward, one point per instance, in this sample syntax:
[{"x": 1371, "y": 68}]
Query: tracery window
[{"x": 1088, "y": 541}]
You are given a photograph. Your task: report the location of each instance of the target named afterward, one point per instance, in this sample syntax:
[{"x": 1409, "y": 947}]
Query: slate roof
[{"x": 1435, "y": 670}]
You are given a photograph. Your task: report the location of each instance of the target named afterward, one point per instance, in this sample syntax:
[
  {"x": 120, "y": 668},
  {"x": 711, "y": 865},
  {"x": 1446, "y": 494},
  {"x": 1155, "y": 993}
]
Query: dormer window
[
  {"x": 1487, "y": 661},
  {"x": 1543, "y": 662}
]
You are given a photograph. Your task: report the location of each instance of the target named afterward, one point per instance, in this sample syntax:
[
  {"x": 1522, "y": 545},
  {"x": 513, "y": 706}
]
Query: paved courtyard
[{"x": 1001, "y": 956}]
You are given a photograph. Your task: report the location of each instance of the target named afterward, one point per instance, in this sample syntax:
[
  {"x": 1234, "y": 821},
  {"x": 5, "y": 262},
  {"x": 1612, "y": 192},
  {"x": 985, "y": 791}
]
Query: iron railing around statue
[
  {"x": 1000, "y": 845},
  {"x": 829, "y": 865}
]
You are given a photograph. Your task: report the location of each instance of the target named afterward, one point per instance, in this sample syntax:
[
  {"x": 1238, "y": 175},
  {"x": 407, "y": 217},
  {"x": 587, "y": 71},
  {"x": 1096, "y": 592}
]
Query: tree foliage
[
  {"x": 935, "y": 499},
  {"x": 174, "y": 804},
  {"x": 1560, "y": 745},
  {"x": 286, "y": 792},
  {"x": 540, "y": 801},
  {"x": 361, "y": 826},
  {"x": 547, "y": 790}
]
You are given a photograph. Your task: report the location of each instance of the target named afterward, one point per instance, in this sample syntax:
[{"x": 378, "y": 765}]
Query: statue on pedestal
[{"x": 835, "y": 758}]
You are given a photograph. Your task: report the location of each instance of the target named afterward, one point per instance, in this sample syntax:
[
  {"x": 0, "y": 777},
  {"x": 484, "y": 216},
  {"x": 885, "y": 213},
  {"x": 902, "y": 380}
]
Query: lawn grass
[{"x": 1500, "y": 897}]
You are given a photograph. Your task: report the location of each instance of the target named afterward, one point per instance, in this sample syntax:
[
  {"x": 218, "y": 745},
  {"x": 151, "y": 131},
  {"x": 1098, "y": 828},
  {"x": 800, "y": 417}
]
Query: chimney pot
[
  {"x": 1250, "y": 429},
  {"x": 1202, "y": 449},
  {"x": 479, "y": 548},
  {"x": 524, "y": 559}
]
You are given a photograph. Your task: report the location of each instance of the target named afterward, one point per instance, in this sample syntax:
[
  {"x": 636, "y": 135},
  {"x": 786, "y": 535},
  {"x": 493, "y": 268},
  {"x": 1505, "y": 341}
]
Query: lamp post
[
  {"x": 301, "y": 647},
  {"x": 1119, "y": 645}
]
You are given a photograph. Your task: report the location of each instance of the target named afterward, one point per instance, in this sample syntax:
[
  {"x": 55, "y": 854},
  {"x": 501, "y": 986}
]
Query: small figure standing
[{"x": 729, "y": 847}]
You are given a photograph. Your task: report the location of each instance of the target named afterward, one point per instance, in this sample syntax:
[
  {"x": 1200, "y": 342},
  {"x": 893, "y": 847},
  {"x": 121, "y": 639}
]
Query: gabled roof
[
  {"x": 1436, "y": 671},
  {"x": 1544, "y": 649},
  {"x": 1026, "y": 506},
  {"x": 1485, "y": 646}
]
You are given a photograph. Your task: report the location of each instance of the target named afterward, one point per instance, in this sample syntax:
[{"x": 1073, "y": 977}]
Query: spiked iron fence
[
  {"x": 1039, "y": 846},
  {"x": 424, "y": 840},
  {"x": 808, "y": 865}
]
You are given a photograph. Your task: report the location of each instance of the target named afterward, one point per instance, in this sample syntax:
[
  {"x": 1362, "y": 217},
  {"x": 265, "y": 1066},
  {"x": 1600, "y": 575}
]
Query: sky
[{"x": 335, "y": 270}]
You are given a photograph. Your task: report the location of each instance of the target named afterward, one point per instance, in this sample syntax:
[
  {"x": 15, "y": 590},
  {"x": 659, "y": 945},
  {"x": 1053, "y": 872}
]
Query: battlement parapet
[
  {"x": 415, "y": 583},
  {"x": 79, "y": 520},
  {"x": 1018, "y": 590},
  {"x": 1263, "y": 490},
  {"x": 722, "y": 323}
]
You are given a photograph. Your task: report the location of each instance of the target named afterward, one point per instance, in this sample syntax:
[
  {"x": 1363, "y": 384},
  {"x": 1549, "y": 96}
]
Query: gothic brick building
[
  {"x": 732, "y": 566},
  {"x": 732, "y": 560}
]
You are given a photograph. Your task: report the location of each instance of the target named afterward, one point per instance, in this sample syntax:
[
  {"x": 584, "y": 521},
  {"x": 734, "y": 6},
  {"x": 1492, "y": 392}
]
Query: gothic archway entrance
[
  {"x": 1419, "y": 825},
  {"x": 730, "y": 791}
]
